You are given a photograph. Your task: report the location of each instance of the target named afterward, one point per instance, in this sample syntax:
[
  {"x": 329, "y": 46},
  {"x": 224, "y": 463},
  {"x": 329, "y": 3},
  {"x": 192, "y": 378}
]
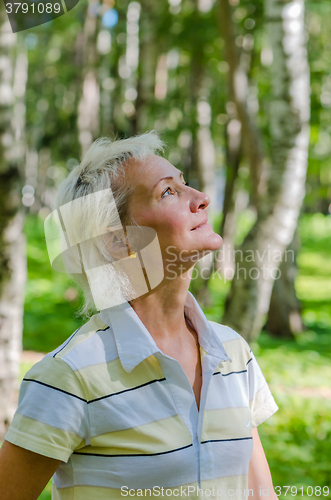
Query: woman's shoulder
[
  {"x": 87, "y": 345},
  {"x": 234, "y": 344},
  {"x": 226, "y": 333},
  {"x": 63, "y": 369},
  {"x": 81, "y": 339}
]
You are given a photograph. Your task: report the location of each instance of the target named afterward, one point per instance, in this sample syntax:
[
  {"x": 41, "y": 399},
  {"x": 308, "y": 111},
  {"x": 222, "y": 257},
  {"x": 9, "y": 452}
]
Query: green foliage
[
  {"x": 56, "y": 69},
  {"x": 313, "y": 281},
  {"x": 51, "y": 299}
]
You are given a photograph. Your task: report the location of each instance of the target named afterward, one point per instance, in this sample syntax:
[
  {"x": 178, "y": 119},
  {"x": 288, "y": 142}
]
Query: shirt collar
[{"x": 135, "y": 343}]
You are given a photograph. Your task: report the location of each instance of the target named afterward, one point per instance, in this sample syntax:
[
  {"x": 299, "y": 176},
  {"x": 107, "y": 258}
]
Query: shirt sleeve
[
  {"x": 261, "y": 401},
  {"x": 52, "y": 416}
]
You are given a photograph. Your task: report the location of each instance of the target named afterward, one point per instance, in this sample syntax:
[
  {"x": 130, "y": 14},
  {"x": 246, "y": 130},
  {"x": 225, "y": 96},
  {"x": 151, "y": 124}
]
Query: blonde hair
[{"x": 102, "y": 171}]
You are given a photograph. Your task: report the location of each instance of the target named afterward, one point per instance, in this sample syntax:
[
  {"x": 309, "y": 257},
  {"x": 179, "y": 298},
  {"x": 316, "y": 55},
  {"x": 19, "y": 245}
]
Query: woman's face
[{"x": 162, "y": 201}]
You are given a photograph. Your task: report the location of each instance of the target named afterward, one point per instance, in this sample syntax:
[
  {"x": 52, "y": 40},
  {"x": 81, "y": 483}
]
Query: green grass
[
  {"x": 47, "y": 493},
  {"x": 297, "y": 439}
]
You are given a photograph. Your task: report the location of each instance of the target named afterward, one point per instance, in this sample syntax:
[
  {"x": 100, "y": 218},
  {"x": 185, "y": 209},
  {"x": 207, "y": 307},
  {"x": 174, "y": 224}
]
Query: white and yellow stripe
[{"x": 118, "y": 412}]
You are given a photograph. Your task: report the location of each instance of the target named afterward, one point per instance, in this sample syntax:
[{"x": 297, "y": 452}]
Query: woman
[{"x": 148, "y": 398}]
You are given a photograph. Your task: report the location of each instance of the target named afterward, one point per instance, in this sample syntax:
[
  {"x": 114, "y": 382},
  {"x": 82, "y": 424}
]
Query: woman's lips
[{"x": 202, "y": 226}]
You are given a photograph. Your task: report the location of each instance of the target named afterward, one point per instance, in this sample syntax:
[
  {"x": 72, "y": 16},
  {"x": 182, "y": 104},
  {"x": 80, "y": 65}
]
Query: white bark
[
  {"x": 89, "y": 104},
  {"x": 11, "y": 321},
  {"x": 88, "y": 111},
  {"x": 146, "y": 63},
  {"x": 248, "y": 301},
  {"x": 206, "y": 156},
  {"x": 13, "y": 75},
  {"x": 239, "y": 66}
]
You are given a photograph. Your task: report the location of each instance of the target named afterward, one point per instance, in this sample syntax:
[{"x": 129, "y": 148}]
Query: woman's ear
[{"x": 118, "y": 245}]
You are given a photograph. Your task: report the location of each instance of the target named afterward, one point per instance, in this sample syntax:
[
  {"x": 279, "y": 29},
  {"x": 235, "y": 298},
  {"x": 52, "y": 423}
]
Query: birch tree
[
  {"x": 146, "y": 60},
  {"x": 258, "y": 259},
  {"x": 239, "y": 66},
  {"x": 89, "y": 104},
  {"x": 12, "y": 253},
  {"x": 241, "y": 136},
  {"x": 284, "y": 315}
]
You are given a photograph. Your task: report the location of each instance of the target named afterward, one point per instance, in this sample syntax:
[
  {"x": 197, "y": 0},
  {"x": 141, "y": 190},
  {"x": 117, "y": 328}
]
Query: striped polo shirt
[{"x": 123, "y": 419}]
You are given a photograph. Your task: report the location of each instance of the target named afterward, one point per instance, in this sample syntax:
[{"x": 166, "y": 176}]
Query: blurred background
[{"x": 240, "y": 91}]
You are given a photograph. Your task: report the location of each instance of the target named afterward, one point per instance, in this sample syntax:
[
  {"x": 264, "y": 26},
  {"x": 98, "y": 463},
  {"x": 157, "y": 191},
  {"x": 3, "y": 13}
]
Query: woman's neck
[{"x": 162, "y": 311}]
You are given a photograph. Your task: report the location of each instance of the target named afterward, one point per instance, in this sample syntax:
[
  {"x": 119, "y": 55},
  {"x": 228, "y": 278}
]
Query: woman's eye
[
  {"x": 165, "y": 191},
  {"x": 169, "y": 189}
]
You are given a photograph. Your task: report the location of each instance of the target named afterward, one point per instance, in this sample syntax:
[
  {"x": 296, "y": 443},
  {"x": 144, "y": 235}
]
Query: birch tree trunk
[
  {"x": 148, "y": 52},
  {"x": 12, "y": 247},
  {"x": 89, "y": 104},
  {"x": 240, "y": 120},
  {"x": 239, "y": 65},
  {"x": 284, "y": 315},
  {"x": 260, "y": 254},
  {"x": 200, "y": 173},
  {"x": 195, "y": 176},
  {"x": 225, "y": 260},
  {"x": 222, "y": 261}
]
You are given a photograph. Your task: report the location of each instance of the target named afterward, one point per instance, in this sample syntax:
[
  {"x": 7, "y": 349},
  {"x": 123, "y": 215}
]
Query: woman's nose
[{"x": 199, "y": 201}]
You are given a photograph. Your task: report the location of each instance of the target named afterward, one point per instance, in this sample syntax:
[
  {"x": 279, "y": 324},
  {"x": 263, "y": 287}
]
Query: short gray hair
[{"x": 103, "y": 168}]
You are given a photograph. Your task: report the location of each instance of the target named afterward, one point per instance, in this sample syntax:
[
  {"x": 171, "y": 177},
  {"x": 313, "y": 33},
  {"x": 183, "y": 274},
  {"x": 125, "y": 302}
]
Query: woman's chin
[
  {"x": 209, "y": 244},
  {"x": 214, "y": 242}
]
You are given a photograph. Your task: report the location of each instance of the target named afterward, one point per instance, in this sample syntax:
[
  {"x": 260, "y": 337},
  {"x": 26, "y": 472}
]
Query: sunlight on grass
[
  {"x": 313, "y": 262},
  {"x": 313, "y": 287}
]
